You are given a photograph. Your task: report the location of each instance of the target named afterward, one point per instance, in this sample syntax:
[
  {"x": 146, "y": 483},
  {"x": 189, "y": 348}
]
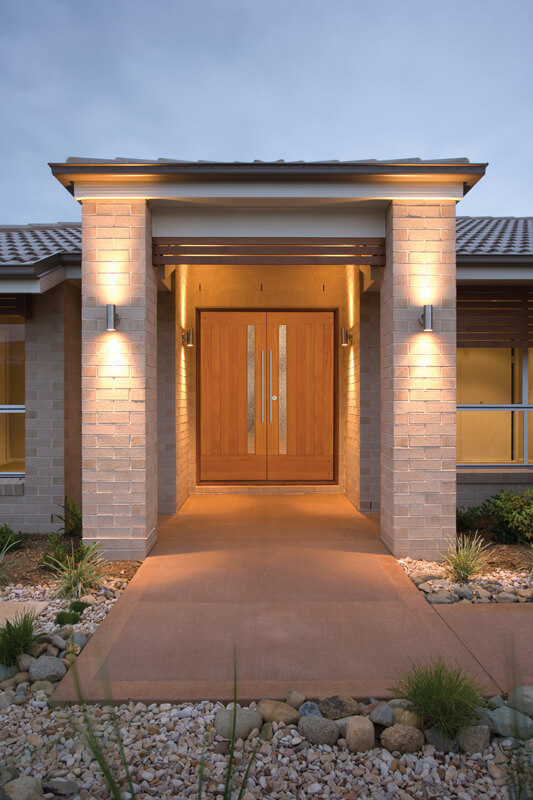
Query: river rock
[
  {"x": 43, "y": 686},
  {"x": 360, "y": 734},
  {"x": 25, "y": 788},
  {"x": 442, "y": 597},
  {"x": 58, "y": 642},
  {"x": 506, "y": 597},
  {"x": 402, "y": 739},
  {"x": 496, "y": 702},
  {"x": 246, "y": 721},
  {"x": 404, "y": 717},
  {"x": 277, "y": 711},
  {"x": 474, "y": 739},
  {"x": 510, "y": 722},
  {"x": 319, "y": 730},
  {"x": 60, "y": 786},
  {"x": 521, "y": 699},
  {"x": 336, "y": 707},
  {"x": 383, "y": 715},
  {"x": 8, "y": 672},
  {"x": 46, "y": 668},
  {"x": 24, "y": 661},
  {"x": 295, "y": 699},
  {"x": 440, "y": 741},
  {"x": 310, "y": 709}
]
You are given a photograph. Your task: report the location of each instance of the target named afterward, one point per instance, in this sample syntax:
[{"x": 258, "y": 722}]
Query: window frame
[{"x": 11, "y": 408}]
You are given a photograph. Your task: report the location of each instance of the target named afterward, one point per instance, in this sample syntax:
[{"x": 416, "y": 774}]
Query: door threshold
[{"x": 271, "y": 488}]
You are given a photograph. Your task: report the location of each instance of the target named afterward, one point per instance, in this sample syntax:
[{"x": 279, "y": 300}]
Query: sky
[{"x": 264, "y": 79}]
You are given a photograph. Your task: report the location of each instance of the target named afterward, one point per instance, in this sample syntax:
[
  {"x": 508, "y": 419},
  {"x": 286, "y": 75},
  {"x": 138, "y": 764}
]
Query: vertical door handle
[
  {"x": 270, "y": 384},
  {"x": 262, "y": 386}
]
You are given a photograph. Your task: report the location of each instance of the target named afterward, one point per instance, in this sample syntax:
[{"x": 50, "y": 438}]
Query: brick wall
[
  {"x": 350, "y": 389},
  {"x": 370, "y": 401},
  {"x": 119, "y": 392},
  {"x": 166, "y": 403},
  {"x": 418, "y": 471},
  {"x": 72, "y": 404}
]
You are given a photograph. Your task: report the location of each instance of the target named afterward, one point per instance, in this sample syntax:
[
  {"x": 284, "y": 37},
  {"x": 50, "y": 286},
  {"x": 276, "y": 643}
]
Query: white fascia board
[
  {"x": 38, "y": 285},
  {"x": 271, "y": 190},
  {"x": 499, "y": 274}
]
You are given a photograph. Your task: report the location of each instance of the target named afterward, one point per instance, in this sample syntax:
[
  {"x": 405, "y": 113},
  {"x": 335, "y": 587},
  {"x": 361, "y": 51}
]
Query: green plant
[
  {"x": 4, "y": 573},
  {"x": 78, "y": 606},
  {"x": 56, "y": 550},
  {"x": 67, "y": 618},
  {"x": 9, "y": 537},
  {"x": 71, "y": 519},
  {"x": 79, "y": 576},
  {"x": 444, "y": 697},
  {"x": 17, "y": 636},
  {"x": 467, "y": 518},
  {"x": 511, "y": 516},
  {"x": 465, "y": 557}
]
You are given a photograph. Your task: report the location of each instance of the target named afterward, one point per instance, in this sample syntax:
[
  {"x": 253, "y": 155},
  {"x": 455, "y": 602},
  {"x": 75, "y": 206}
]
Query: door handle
[
  {"x": 262, "y": 386},
  {"x": 270, "y": 384}
]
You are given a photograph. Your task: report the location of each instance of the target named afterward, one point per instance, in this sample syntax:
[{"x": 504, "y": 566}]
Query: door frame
[{"x": 336, "y": 398}]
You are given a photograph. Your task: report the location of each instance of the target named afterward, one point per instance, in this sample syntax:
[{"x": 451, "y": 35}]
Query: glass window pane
[
  {"x": 12, "y": 364},
  {"x": 490, "y": 437},
  {"x": 489, "y": 375},
  {"x": 12, "y": 444}
]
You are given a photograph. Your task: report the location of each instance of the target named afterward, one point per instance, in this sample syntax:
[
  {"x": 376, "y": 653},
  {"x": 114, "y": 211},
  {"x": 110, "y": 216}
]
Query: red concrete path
[{"x": 301, "y": 584}]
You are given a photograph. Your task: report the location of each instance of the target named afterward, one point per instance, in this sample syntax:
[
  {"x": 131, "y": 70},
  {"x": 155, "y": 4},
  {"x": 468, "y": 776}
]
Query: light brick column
[
  {"x": 418, "y": 466},
  {"x": 119, "y": 395}
]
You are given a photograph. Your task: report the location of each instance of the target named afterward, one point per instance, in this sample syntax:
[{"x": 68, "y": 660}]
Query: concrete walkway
[{"x": 307, "y": 593}]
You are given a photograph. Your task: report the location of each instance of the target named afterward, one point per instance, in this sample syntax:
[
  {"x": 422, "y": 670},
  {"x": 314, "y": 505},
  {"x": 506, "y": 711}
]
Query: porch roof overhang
[
  {"x": 202, "y": 181},
  {"x": 41, "y": 275}
]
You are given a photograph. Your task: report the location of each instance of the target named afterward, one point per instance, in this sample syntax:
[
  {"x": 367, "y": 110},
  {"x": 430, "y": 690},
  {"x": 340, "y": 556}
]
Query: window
[
  {"x": 12, "y": 395},
  {"x": 494, "y": 405}
]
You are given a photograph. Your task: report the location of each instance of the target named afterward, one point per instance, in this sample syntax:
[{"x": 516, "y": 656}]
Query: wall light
[
  {"x": 112, "y": 318},
  {"x": 346, "y": 337},
  {"x": 426, "y": 318},
  {"x": 188, "y": 338}
]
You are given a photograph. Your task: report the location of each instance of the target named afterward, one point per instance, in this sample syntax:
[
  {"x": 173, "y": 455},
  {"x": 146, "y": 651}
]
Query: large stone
[
  {"x": 246, "y": 722},
  {"x": 295, "y": 699},
  {"x": 474, "y": 739},
  {"x": 404, "y": 717},
  {"x": 440, "y": 741},
  {"x": 58, "y": 642},
  {"x": 383, "y": 715},
  {"x": 24, "y": 661},
  {"x": 506, "y": 597},
  {"x": 402, "y": 739},
  {"x": 310, "y": 709},
  {"x": 319, "y": 730},
  {"x": 336, "y": 707},
  {"x": 43, "y": 686},
  {"x": 277, "y": 711},
  {"x": 521, "y": 699},
  {"x": 360, "y": 734},
  {"x": 496, "y": 702},
  {"x": 442, "y": 597},
  {"x": 60, "y": 786},
  {"x": 25, "y": 788},
  {"x": 510, "y": 722},
  {"x": 46, "y": 668}
]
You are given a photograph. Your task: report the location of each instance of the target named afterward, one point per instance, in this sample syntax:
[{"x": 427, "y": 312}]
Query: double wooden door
[{"x": 266, "y": 396}]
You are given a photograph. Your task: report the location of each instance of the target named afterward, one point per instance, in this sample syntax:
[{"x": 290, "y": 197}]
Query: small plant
[
  {"x": 465, "y": 557},
  {"x": 67, "y": 618},
  {"x": 9, "y": 537},
  {"x": 17, "y": 637},
  {"x": 511, "y": 515},
  {"x": 467, "y": 519},
  {"x": 444, "y": 697},
  {"x": 78, "y": 606},
  {"x": 56, "y": 550},
  {"x": 79, "y": 576},
  {"x": 71, "y": 519},
  {"x": 4, "y": 572}
]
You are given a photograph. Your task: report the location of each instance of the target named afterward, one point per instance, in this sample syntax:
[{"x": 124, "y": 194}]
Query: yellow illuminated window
[{"x": 12, "y": 396}]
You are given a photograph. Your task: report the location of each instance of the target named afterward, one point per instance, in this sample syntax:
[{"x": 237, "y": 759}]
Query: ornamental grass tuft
[
  {"x": 79, "y": 576},
  {"x": 17, "y": 636},
  {"x": 465, "y": 557},
  {"x": 444, "y": 697}
]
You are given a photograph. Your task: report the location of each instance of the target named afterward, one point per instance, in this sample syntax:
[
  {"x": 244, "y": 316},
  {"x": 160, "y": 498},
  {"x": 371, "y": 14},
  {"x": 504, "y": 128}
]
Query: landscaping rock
[
  {"x": 43, "y": 686},
  {"x": 336, "y": 707},
  {"x": 465, "y": 592},
  {"x": 521, "y": 699},
  {"x": 402, "y": 739},
  {"x": 397, "y": 702},
  {"x": 37, "y": 649},
  {"x": 25, "y": 788},
  {"x": 404, "y": 717},
  {"x": 295, "y": 699},
  {"x": 383, "y": 715},
  {"x": 58, "y": 642},
  {"x": 319, "y": 730},
  {"x": 474, "y": 739},
  {"x": 46, "y": 668},
  {"x": 360, "y": 734},
  {"x": 496, "y": 702},
  {"x": 21, "y": 677},
  {"x": 24, "y": 661},
  {"x": 506, "y": 597},
  {"x": 246, "y": 721},
  {"x": 7, "y": 672},
  {"x": 442, "y": 597},
  {"x": 341, "y": 725},
  {"x": 6, "y": 774},
  {"x": 80, "y": 639},
  {"x": 510, "y": 722},
  {"x": 440, "y": 742},
  {"x": 277, "y": 711},
  {"x": 419, "y": 576},
  {"x": 60, "y": 786},
  {"x": 310, "y": 709}
]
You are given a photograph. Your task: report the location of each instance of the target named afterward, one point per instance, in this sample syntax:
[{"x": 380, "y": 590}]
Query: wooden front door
[{"x": 266, "y": 396}]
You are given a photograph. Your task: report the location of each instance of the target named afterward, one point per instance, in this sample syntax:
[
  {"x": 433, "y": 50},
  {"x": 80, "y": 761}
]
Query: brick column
[
  {"x": 418, "y": 465},
  {"x": 119, "y": 398}
]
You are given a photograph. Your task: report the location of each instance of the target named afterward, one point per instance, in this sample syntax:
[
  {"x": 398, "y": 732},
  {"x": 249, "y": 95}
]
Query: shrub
[
  {"x": 67, "y": 618},
  {"x": 512, "y": 516},
  {"x": 56, "y": 550},
  {"x": 79, "y": 576},
  {"x": 444, "y": 697},
  {"x": 467, "y": 519},
  {"x": 78, "y": 606},
  {"x": 9, "y": 537},
  {"x": 71, "y": 519},
  {"x": 17, "y": 637},
  {"x": 465, "y": 557}
]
